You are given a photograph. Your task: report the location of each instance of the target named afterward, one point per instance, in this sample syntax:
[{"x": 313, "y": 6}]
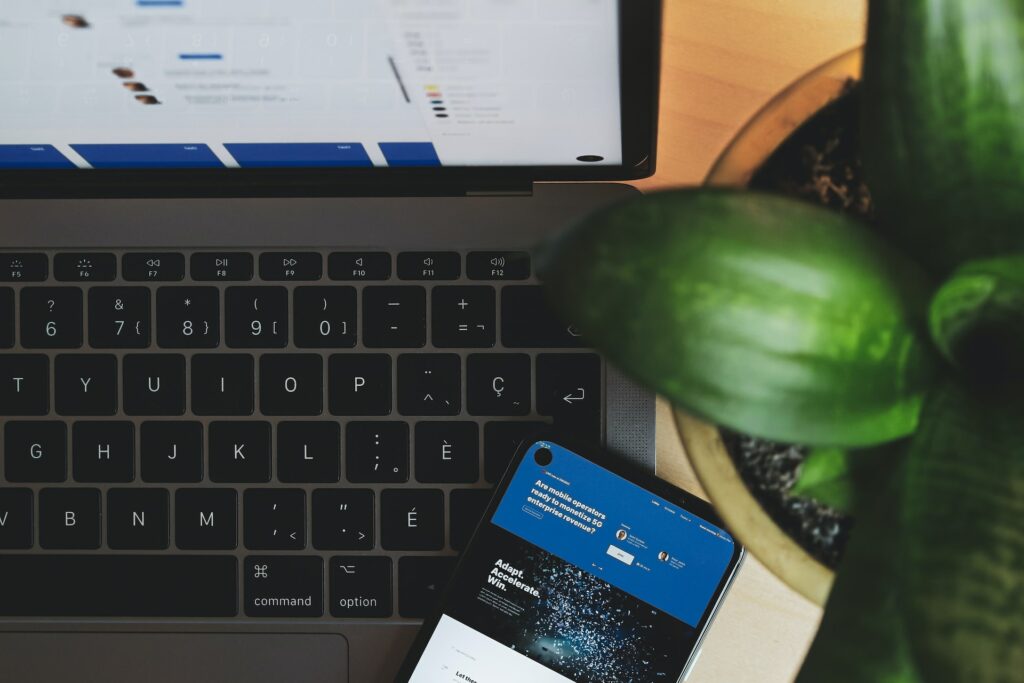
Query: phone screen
[{"x": 579, "y": 574}]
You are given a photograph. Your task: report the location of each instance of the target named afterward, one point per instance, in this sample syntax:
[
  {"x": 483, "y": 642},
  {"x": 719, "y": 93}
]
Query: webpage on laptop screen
[
  {"x": 311, "y": 83},
  {"x": 579, "y": 576}
]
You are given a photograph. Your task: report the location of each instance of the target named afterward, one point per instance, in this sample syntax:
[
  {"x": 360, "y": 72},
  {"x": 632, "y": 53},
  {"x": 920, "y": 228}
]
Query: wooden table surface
[{"x": 722, "y": 61}]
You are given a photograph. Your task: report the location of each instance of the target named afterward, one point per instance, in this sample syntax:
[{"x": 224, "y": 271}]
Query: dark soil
[{"x": 819, "y": 163}]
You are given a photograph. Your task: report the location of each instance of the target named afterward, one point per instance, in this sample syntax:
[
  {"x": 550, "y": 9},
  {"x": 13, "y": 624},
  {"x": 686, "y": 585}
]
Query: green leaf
[
  {"x": 977, "y": 317},
  {"x": 963, "y": 522},
  {"x": 932, "y": 585},
  {"x": 766, "y": 315},
  {"x": 862, "y": 638},
  {"x": 943, "y": 134},
  {"x": 825, "y": 476}
]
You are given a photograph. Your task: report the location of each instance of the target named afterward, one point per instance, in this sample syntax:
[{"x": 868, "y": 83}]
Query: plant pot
[{"x": 714, "y": 467}]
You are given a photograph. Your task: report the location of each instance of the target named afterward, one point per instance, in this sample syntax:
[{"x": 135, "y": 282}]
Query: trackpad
[{"x": 173, "y": 657}]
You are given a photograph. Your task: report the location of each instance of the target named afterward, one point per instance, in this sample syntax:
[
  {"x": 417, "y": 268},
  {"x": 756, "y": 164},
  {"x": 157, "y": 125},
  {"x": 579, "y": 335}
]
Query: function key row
[{"x": 273, "y": 266}]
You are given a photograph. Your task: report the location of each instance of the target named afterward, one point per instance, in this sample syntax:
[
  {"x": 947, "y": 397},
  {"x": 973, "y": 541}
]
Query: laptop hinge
[{"x": 517, "y": 190}]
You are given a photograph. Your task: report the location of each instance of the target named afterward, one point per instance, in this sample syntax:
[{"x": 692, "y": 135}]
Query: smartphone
[{"x": 582, "y": 569}]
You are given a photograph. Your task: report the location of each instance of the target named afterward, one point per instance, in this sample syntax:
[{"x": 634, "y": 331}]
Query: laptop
[{"x": 270, "y": 326}]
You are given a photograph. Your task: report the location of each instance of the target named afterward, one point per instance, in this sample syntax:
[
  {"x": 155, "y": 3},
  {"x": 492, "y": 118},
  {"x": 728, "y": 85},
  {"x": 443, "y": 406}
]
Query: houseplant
[
  {"x": 899, "y": 354},
  {"x": 802, "y": 142}
]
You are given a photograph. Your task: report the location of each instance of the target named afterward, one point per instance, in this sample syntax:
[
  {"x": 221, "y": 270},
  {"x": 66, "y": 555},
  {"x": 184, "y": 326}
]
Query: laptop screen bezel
[{"x": 640, "y": 41}]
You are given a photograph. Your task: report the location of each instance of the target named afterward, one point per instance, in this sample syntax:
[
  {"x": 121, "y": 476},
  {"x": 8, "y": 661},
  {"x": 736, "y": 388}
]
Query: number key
[
  {"x": 325, "y": 317},
  {"x": 119, "y": 317},
  {"x": 188, "y": 317},
  {"x": 463, "y": 317},
  {"x": 394, "y": 317},
  {"x": 257, "y": 317},
  {"x": 51, "y": 317}
]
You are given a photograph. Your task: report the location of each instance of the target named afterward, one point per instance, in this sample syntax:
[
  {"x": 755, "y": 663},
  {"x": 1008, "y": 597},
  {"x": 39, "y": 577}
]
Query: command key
[
  {"x": 289, "y": 586},
  {"x": 360, "y": 586}
]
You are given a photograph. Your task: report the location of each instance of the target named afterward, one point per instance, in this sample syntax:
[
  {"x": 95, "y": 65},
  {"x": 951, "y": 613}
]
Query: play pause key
[
  {"x": 360, "y": 586},
  {"x": 284, "y": 586}
]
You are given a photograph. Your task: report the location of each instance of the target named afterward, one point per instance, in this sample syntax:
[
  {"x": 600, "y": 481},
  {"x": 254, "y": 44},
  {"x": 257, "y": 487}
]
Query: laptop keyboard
[{"x": 295, "y": 434}]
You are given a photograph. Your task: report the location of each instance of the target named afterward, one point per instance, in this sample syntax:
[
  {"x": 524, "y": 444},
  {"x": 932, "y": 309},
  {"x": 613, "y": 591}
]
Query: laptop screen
[{"x": 133, "y": 84}]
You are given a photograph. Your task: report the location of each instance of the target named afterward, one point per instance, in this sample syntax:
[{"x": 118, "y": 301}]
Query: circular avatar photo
[
  {"x": 123, "y": 72},
  {"x": 74, "y": 21},
  {"x": 147, "y": 99},
  {"x": 135, "y": 86},
  {"x": 663, "y": 556},
  {"x": 621, "y": 534}
]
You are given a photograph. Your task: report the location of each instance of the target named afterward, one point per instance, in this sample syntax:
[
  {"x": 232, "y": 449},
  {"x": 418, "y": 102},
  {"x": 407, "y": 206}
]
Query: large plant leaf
[
  {"x": 863, "y": 636},
  {"x": 977, "y": 317},
  {"x": 963, "y": 538},
  {"x": 943, "y": 137},
  {"x": 775, "y": 318}
]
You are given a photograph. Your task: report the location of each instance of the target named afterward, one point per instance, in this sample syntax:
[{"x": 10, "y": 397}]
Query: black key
[
  {"x": 256, "y": 317},
  {"x": 291, "y": 384},
  {"x": 325, "y": 317},
  {"x": 377, "y": 452},
  {"x": 85, "y": 384},
  {"x": 569, "y": 389},
  {"x": 394, "y": 317},
  {"x": 467, "y": 509},
  {"x": 51, "y": 317},
  {"x": 360, "y": 384},
  {"x": 360, "y": 586},
  {"x": 225, "y": 266},
  {"x": 429, "y": 265},
  {"x": 498, "y": 265},
  {"x": 119, "y": 317},
  {"x": 359, "y": 265},
  {"x": 292, "y": 265},
  {"x": 447, "y": 452},
  {"x": 275, "y": 519},
  {"x": 103, "y": 451},
  {"x": 154, "y": 384},
  {"x": 498, "y": 384},
  {"x": 240, "y": 452},
  {"x": 429, "y": 384},
  {"x": 85, "y": 267},
  {"x": 15, "y": 519},
  {"x": 284, "y": 586},
  {"x": 188, "y": 317},
  {"x": 35, "y": 451},
  {"x": 6, "y": 318},
  {"x": 24, "y": 267},
  {"x": 223, "y": 384},
  {"x": 206, "y": 519},
  {"x": 527, "y": 321},
  {"x": 463, "y": 317},
  {"x": 24, "y": 385},
  {"x": 172, "y": 452},
  {"x": 69, "y": 519},
  {"x": 420, "y": 583},
  {"x": 309, "y": 452},
  {"x": 343, "y": 519},
  {"x": 153, "y": 267},
  {"x": 412, "y": 519},
  {"x": 118, "y": 586},
  {"x": 138, "y": 519},
  {"x": 502, "y": 440}
]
